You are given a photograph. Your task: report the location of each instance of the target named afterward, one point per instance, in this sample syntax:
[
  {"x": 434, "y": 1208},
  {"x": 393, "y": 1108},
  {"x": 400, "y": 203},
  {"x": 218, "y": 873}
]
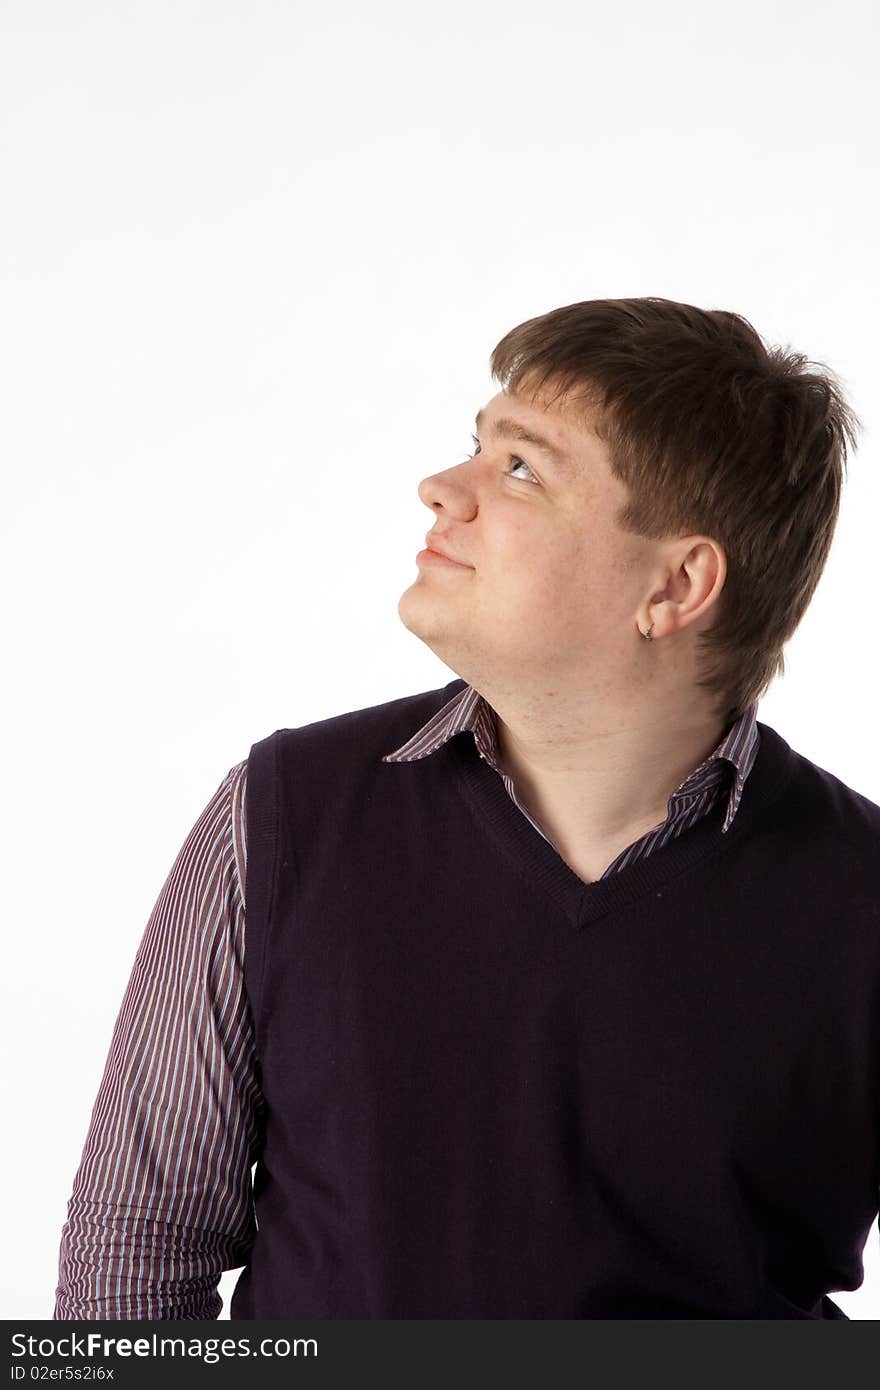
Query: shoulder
[
  {"x": 372, "y": 729},
  {"x": 818, "y": 794}
]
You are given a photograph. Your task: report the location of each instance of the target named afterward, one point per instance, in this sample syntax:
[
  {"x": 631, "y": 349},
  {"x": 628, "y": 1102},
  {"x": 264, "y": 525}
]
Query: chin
[
  {"x": 408, "y": 598},
  {"x": 408, "y": 616}
]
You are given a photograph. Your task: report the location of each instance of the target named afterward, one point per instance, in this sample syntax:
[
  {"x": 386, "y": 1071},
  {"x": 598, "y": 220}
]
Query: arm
[{"x": 162, "y": 1200}]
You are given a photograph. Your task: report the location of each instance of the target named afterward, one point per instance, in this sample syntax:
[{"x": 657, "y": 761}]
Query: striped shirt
[{"x": 161, "y": 1202}]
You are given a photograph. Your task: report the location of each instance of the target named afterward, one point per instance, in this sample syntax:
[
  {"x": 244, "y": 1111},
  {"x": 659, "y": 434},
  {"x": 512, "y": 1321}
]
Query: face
[{"x": 553, "y": 584}]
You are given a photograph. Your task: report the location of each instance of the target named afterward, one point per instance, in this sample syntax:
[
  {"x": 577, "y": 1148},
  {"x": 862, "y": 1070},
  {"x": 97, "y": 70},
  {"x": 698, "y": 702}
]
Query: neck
[{"x": 600, "y": 782}]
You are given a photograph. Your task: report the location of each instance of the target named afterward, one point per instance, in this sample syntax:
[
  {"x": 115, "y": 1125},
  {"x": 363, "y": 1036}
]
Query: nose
[{"x": 449, "y": 489}]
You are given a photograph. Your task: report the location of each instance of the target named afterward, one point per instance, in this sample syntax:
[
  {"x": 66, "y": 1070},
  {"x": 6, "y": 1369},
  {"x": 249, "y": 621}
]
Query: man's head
[{"x": 688, "y": 478}]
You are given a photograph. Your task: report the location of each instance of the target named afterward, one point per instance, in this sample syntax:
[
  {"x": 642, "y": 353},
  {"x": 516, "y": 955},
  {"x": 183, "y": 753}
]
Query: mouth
[
  {"x": 432, "y": 541},
  {"x": 436, "y": 557}
]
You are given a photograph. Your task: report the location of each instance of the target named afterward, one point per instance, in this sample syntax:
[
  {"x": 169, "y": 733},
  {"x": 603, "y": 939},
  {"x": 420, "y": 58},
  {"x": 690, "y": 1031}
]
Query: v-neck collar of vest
[{"x": 542, "y": 866}]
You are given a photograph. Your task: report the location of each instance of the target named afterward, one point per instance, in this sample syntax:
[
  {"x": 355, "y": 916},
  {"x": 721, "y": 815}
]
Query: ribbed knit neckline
[{"x": 543, "y": 866}]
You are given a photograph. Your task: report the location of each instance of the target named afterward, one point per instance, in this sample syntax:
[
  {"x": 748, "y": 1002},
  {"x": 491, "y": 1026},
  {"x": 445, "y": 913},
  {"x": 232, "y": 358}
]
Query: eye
[{"x": 508, "y": 472}]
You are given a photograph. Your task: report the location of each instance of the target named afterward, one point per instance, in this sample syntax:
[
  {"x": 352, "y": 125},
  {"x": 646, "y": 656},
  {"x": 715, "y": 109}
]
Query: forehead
[{"x": 562, "y": 433}]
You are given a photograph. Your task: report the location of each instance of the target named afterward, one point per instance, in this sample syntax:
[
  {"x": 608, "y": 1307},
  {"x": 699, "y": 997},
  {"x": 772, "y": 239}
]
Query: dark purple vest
[{"x": 495, "y": 1091}]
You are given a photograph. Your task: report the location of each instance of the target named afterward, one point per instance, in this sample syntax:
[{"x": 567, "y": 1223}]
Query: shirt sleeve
[{"x": 162, "y": 1200}]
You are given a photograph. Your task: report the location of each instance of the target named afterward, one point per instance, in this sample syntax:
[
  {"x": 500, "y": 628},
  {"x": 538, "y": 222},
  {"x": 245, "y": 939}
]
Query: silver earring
[{"x": 648, "y": 633}]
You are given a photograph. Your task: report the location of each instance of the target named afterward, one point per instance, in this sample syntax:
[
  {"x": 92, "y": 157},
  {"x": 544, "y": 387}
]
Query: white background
[{"x": 254, "y": 259}]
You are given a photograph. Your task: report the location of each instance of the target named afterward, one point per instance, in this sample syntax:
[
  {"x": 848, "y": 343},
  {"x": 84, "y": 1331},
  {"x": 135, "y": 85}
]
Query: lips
[{"x": 432, "y": 544}]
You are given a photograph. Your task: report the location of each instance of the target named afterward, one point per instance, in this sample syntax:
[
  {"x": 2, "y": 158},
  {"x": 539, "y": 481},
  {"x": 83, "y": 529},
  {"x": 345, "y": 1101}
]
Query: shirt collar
[{"x": 469, "y": 712}]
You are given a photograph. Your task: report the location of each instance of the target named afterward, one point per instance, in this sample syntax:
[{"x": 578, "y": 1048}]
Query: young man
[{"x": 557, "y": 993}]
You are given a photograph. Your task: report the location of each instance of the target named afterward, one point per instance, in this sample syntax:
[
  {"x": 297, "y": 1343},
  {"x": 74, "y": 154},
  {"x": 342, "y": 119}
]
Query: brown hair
[{"x": 711, "y": 431}]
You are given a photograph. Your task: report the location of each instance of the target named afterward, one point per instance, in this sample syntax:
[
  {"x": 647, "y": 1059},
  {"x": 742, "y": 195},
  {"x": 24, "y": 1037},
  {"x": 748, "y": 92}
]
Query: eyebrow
[{"x": 514, "y": 430}]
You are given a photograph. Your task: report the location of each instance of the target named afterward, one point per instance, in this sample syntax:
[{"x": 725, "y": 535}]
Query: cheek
[
  {"x": 550, "y": 571},
  {"x": 542, "y": 583}
]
